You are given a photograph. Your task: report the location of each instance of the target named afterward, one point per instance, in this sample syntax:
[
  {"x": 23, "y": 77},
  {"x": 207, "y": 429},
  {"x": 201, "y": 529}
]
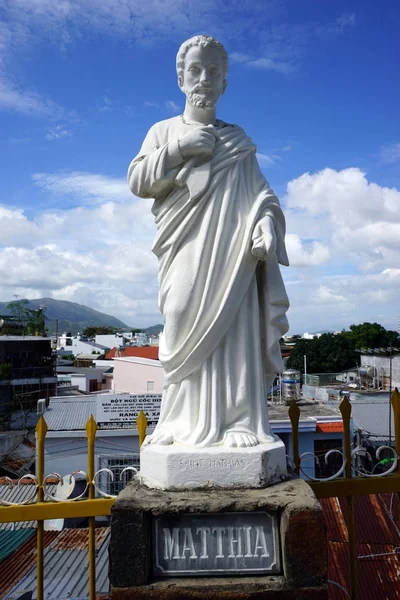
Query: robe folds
[{"x": 224, "y": 310}]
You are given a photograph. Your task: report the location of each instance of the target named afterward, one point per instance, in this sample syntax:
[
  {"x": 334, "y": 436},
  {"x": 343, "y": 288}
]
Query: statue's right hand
[{"x": 198, "y": 142}]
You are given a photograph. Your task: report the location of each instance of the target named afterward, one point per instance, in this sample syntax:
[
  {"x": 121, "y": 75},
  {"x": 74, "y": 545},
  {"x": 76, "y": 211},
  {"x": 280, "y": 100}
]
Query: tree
[
  {"x": 335, "y": 353},
  {"x": 372, "y": 335},
  {"x": 92, "y": 330},
  {"x": 25, "y": 320}
]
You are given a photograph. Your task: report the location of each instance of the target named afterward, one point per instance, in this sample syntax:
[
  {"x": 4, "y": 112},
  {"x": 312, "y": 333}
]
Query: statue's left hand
[{"x": 264, "y": 238}]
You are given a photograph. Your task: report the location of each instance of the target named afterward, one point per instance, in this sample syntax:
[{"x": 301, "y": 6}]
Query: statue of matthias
[{"x": 220, "y": 238}]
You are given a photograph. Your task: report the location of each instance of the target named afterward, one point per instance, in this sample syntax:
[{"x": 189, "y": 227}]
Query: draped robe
[{"x": 224, "y": 310}]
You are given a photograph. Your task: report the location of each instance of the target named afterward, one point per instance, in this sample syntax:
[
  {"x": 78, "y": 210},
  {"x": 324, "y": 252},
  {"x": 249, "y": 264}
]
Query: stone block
[
  {"x": 299, "y": 519},
  {"x": 177, "y": 467}
]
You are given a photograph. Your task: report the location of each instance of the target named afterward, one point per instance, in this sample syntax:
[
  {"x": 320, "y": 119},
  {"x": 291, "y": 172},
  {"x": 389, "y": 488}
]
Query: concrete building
[
  {"x": 137, "y": 375},
  {"x": 381, "y": 366},
  {"x": 86, "y": 379},
  {"x": 117, "y": 441},
  {"x": 113, "y": 340},
  {"x": 27, "y": 372},
  {"x": 68, "y": 344}
]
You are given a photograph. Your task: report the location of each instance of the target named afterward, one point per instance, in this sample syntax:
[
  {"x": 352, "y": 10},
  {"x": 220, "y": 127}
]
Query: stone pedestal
[
  {"x": 177, "y": 467},
  {"x": 218, "y": 544}
]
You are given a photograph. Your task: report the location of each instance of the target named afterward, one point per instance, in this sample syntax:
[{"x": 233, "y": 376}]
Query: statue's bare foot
[
  {"x": 236, "y": 439},
  {"x": 161, "y": 438}
]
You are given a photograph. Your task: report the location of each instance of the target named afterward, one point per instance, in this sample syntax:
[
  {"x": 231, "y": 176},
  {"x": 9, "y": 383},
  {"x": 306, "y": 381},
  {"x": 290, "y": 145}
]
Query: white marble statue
[{"x": 220, "y": 238}]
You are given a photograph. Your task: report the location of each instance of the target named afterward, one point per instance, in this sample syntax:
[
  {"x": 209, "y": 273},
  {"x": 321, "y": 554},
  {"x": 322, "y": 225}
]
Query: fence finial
[{"x": 141, "y": 423}]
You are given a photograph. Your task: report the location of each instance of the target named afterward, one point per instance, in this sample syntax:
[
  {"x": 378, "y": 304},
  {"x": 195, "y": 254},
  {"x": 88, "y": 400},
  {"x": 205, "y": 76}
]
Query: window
[
  {"x": 150, "y": 386},
  {"x": 321, "y": 447},
  {"x": 116, "y": 463}
]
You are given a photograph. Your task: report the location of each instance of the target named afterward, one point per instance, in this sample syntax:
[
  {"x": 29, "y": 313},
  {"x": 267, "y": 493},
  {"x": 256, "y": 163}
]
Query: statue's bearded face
[{"x": 203, "y": 80}]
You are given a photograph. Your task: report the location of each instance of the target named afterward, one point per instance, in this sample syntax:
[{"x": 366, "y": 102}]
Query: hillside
[
  {"x": 154, "y": 329},
  {"x": 71, "y": 317}
]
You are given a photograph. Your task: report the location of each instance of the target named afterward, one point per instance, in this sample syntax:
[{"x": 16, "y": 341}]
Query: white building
[
  {"x": 140, "y": 339},
  {"x": 136, "y": 375},
  {"x": 115, "y": 339},
  {"x": 68, "y": 344},
  {"x": 380, "y": 369},
  {"x": 117, "y": 441}
]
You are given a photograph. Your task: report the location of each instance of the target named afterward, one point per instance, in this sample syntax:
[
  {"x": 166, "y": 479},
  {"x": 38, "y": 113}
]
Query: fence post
[
  {"x": 294, "y": 416},
  {"x": 395, "y": 400},
  {"x": 345, "y": 409},
  {"x": 41, "y": 430},
  {"x": 91, "y": 429}
]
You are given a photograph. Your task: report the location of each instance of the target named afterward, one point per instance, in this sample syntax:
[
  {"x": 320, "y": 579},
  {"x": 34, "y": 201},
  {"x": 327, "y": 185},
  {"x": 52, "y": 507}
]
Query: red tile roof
[
  {"x": 329, "y": 427},
  {"x": 139, "y": 351}
]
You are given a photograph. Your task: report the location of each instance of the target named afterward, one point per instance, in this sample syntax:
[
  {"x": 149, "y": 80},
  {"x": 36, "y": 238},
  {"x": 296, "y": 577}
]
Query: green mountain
[
  {"x": 71, "y": 317},
  {"x": 154, "y": 329}
]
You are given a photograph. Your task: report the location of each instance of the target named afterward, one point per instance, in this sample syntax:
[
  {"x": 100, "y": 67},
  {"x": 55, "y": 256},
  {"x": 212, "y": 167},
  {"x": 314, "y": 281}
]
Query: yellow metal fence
[{"x": 345, "y": 484}]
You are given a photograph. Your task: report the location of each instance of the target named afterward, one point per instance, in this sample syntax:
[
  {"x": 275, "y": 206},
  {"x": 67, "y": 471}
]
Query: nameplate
[{"x": 217, "y": 543}]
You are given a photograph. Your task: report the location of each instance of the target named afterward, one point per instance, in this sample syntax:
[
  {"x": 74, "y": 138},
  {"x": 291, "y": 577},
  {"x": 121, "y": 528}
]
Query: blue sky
[{"x": 314, "y": 83}]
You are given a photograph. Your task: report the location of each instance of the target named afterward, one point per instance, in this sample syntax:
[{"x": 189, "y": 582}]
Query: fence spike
[
  {"x": 91, "y": 427},
  {"x": 141, "y": 423},
  {"x": 345, "y": 408},
  {"x": 41, "y": 429}
]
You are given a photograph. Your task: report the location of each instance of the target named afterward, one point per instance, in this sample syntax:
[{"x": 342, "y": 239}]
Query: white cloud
[
  {"x": 86, "y": 187},
  {"x": 344, "y": 245},
  {"x": 344, "y": 260},
  {"x": 303, "y": 254},
  {"x": 267, "y": 160},
  {"x": 99, "y": 255},
  {"x": 173, "y": 107},
  {"x": 345, "y": 20},
  {"x": 325, "y": 295},
  {"x": 391, "y": 153},
  {"x": 26, "y": 102},
  {"x": 263, "y": 62},
  {"x": 357, "y": 218},
  {"x": 270, "y": 64},
  {"x": 57, "y": 132}
]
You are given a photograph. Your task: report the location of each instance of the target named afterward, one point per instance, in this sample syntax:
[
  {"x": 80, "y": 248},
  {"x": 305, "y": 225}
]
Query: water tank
[
  {"x": 291, "y": 385},
  {"x": 367, "y": 371}
]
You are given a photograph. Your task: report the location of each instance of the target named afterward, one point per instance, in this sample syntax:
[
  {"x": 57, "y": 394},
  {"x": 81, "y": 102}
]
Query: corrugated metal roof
[
  {"x": 22, "y": 561},
  {"x": 378, "y": 577},
  {"x": 19, "y": 461},
  {"x": 11, "y": 540},
  {"x": 65, "y": 566},
  {"x": 69, "y": 414},
  {"x": 19, "y": 494}
]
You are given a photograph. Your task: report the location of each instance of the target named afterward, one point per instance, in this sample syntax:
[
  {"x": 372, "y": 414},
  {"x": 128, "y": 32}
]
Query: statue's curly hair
[{"x": 204, "y": 41}]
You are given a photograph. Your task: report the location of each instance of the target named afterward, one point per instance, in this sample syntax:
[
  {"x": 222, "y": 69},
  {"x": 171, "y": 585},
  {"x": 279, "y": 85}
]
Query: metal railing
[{"x": 348, "y": 481}]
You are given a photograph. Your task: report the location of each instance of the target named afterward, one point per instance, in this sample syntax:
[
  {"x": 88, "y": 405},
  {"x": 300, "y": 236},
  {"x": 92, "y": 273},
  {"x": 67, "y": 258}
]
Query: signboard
[
  {"x": 206, "y": 544},
  {"x": 125, "y": 408}
]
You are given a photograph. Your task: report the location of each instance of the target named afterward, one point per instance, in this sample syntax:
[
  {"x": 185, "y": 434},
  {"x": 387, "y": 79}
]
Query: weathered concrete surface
[
  {"x": 294, "y": 493},
  {"x": 238, "y": 588},
  {"x": 302, "y": 539}
]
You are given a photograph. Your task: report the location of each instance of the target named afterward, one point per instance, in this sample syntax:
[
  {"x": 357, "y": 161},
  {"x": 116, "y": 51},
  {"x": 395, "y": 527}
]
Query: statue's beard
[{"x": 199, "y": 101}]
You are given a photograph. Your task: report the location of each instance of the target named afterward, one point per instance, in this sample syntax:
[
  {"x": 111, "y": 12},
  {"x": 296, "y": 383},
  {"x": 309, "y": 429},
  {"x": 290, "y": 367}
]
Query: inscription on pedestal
[{"x": 216, "y": 543}]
